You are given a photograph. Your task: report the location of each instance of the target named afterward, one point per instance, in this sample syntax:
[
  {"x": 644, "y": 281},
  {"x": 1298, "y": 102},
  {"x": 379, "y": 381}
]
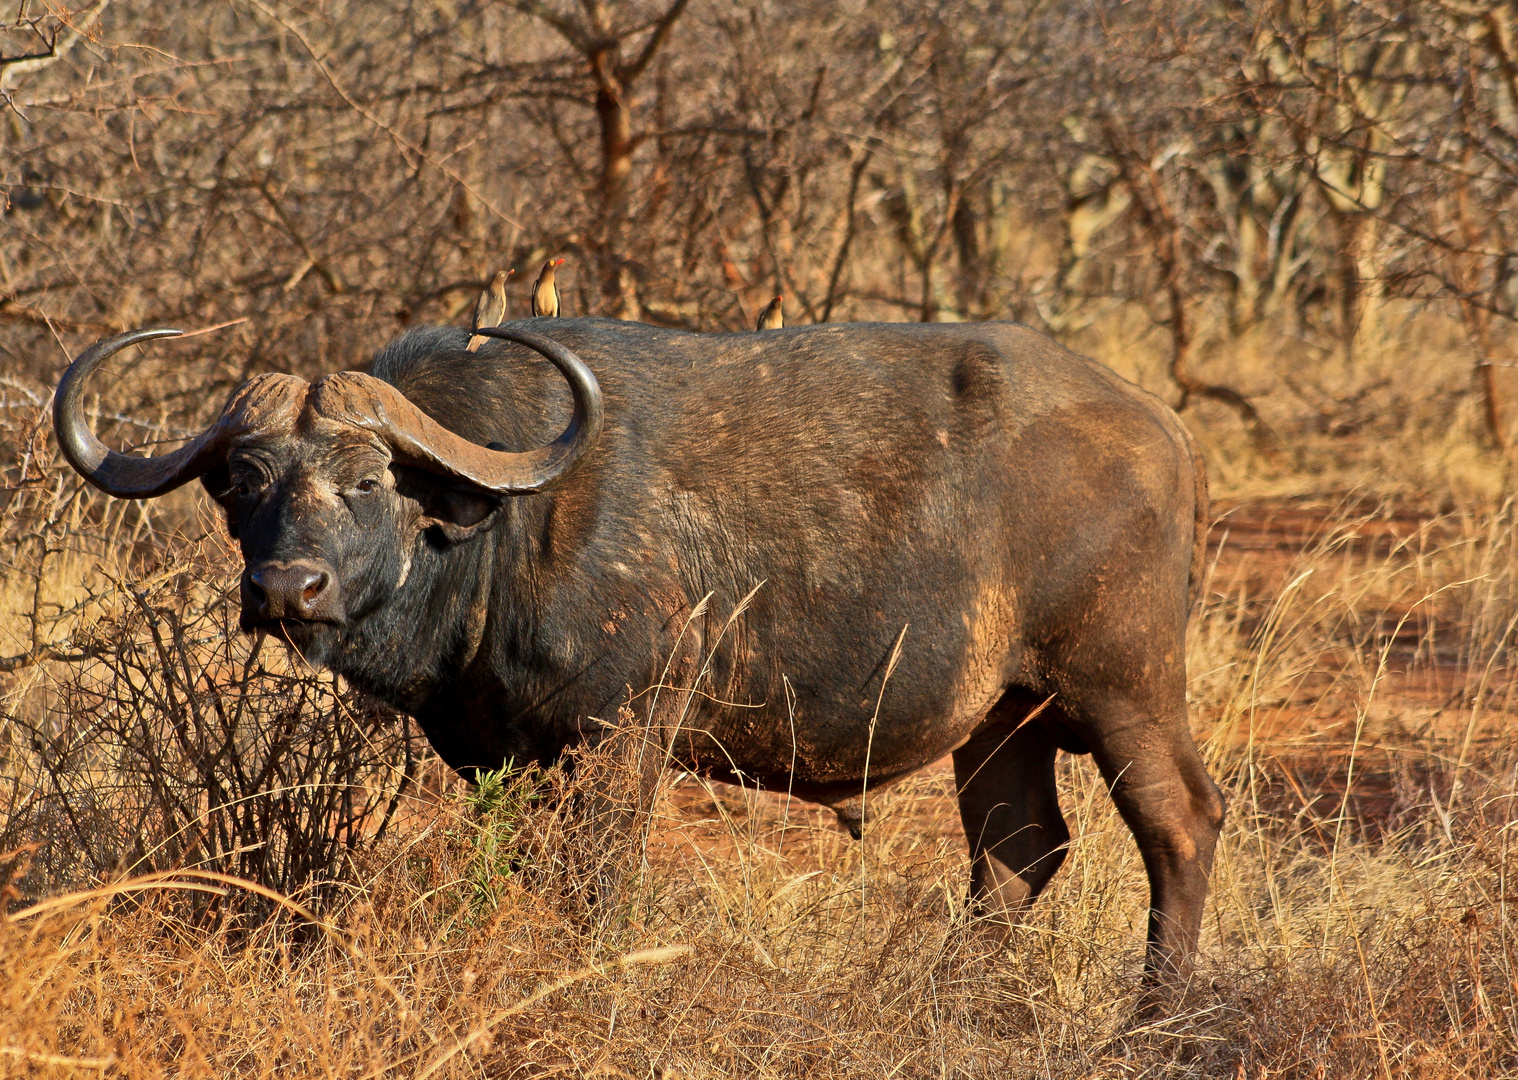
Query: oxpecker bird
[
  {"x": 772, "y": 318},
  {"x": 545, "y": 291},
  {"x": 490, "y": 308}
]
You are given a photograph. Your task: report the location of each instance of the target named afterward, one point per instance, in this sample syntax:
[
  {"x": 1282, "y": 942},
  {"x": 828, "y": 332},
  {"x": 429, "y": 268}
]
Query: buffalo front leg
[
  {"x": 613, "y": 777},
  {"x": 1010, "y": 809}
]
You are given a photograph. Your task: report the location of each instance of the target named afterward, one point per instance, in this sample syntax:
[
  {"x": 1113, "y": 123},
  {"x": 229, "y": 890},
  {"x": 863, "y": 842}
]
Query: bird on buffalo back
[
  {"x": 772, "y": 317},
  {"x": 545, "y": 291},
  {"x": 490, "y": 308}
]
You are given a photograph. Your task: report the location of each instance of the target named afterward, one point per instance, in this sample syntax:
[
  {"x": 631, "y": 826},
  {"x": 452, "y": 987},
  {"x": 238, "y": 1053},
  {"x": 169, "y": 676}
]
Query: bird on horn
[{"x": 490, "y": 308}]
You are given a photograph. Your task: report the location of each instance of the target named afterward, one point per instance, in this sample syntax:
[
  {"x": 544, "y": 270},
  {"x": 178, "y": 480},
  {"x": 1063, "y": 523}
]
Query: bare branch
[
  {"x": 630, "y": 72},
  {"x": 78, "y": 27}
]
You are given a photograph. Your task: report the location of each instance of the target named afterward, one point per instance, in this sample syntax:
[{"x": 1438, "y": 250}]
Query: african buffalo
[{"x": 503, "y": 557}]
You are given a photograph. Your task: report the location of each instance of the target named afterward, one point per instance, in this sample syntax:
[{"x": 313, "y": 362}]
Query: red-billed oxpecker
[
  {"x": 772, "y": 317},
  {"x": 545, "y": 291},
  {"x": 490, "y": 308}
]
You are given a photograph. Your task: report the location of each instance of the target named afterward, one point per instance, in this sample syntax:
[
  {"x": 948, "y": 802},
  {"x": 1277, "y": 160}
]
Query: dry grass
[{"x": 1352, "y": 687}]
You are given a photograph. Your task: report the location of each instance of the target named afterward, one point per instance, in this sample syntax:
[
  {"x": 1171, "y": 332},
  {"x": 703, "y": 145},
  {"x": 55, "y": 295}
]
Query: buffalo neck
[{"x": 445, "y": 645}]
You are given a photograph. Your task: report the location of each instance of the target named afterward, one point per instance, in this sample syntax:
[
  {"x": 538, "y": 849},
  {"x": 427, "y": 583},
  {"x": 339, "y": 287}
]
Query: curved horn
[
  {"x": 416, "y": 439},
  {"x": 119, "y": 474}
]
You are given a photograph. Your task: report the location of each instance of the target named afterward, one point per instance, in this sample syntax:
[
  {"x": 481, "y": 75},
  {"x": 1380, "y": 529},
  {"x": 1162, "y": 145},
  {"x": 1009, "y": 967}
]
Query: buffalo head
[{"x": 327, "y": 485}]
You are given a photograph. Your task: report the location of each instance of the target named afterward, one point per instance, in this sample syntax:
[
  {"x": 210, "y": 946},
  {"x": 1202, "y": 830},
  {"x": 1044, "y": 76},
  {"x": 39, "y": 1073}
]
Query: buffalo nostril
[
  {"x": 314, "y": 585},
  {"x": 257, "y": 592}
]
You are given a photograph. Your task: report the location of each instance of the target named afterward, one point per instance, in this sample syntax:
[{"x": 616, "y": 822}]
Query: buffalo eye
[
  {"x": 366, "y": 487},
  {"x": 244, "y": 485}
]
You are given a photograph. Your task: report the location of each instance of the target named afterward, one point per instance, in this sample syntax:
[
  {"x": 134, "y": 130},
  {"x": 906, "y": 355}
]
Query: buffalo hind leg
[
  {"x": 1175, "y": 812},
  {"x": 1010, "y": 809}
]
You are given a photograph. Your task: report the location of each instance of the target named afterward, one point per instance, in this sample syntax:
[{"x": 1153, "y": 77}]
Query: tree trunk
[
  {"x": 616, "y": 130},
  {"x": 1491, "y": 400},
  {"x": 1191, "y": 386}
]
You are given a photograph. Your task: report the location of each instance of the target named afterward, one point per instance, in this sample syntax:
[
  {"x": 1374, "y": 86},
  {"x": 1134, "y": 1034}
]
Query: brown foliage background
[{"x": 330, "y": 172}]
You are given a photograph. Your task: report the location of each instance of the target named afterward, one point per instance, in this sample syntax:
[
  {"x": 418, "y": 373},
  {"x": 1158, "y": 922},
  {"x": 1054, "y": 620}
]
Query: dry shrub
[
  {"x": 177, "y": 746},
  {"x": 141, "y": 732}
]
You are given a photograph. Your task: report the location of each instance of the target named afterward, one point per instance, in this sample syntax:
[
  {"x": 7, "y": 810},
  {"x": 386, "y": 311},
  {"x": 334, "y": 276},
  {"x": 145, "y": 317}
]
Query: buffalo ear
[
  {"x": 217, "y": 481},
  {"x": 457, "y": 511}
]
